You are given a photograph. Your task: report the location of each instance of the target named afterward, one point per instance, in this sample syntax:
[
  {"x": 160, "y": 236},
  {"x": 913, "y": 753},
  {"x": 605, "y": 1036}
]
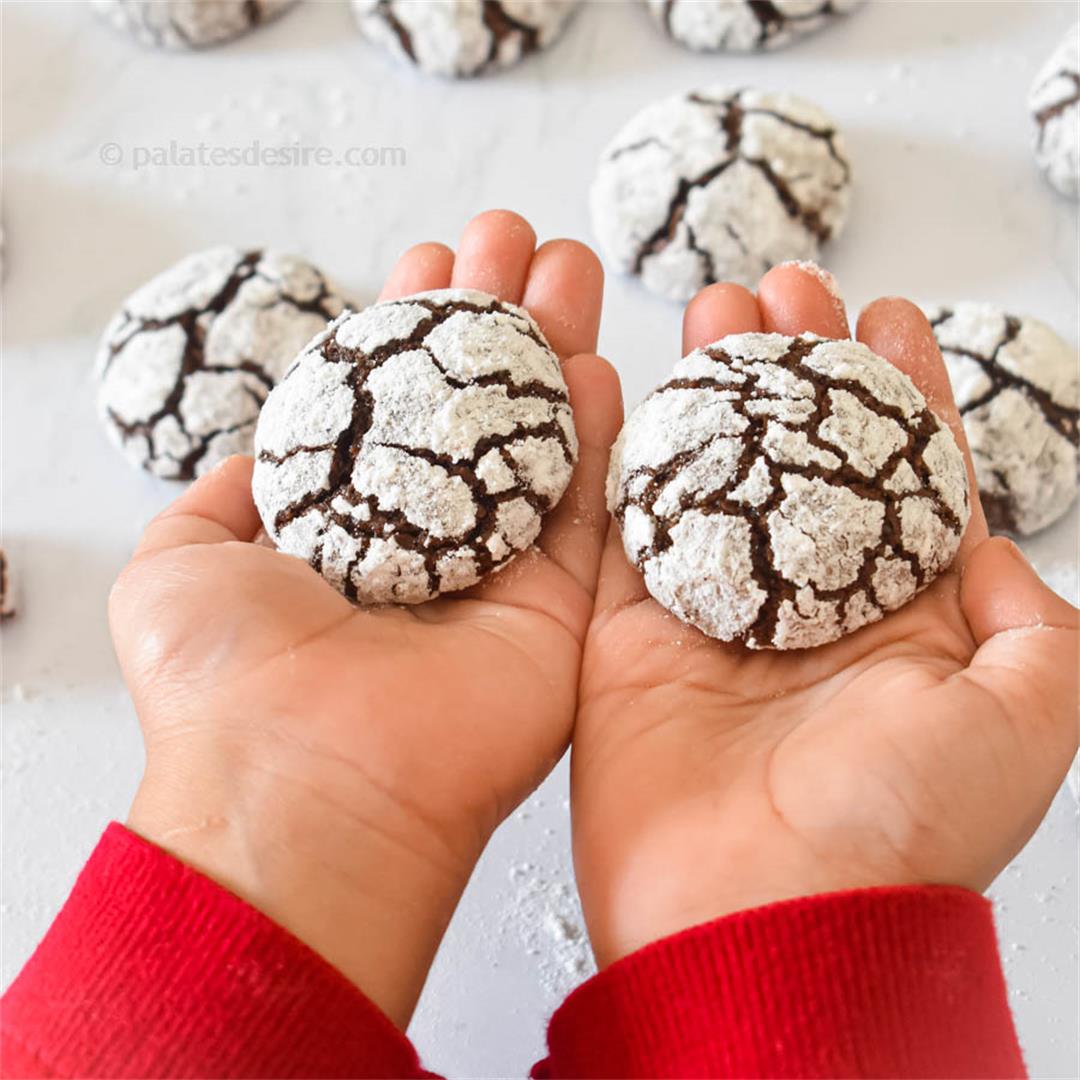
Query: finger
[
  {"x": 897, "y": 330},
  {"x": 797, "y": 298},
  {"x": 1028, "y": 641},
  {"x": 421, "y": 269},
  {"x": 565, "y": 295},
  {"x": 573, "y": 535},
  {"x": 717, "y": 311},
  {"x": 619, "y": 583},
  {"x": 217, "y": 508},
  {"x": 494, "y": 255}
]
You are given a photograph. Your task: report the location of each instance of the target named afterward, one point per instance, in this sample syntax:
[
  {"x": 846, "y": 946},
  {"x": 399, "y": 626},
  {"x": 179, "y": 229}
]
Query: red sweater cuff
[
  {"x": 153, "y": 970},
  {"x": 902, "y": 982}
]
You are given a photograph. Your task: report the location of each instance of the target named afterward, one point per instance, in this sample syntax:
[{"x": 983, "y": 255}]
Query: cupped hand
[
  {"x": 709, "y": 778},
  {"x": 342, "y": 768}
]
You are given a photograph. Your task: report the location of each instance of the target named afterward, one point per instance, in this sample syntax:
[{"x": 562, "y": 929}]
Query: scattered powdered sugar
[
  {"x": 786, "y": 491},
  {"x": 1017, "y": 386},
  {"x": 415, "y": 446},
  {"x": 461, "y": 38},
  {"x": 719, "y": 184},
  {"x": 544, "y": 914},
  {"x": 742, "y": 25},
  {"x": 187, "y": 24},
  {"x": 1054, "y": 101}
]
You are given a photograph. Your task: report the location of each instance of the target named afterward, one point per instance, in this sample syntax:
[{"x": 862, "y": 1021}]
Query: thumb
[
  {"x": 1028, "y": 640},
  {"x": 217, "y": 508}
]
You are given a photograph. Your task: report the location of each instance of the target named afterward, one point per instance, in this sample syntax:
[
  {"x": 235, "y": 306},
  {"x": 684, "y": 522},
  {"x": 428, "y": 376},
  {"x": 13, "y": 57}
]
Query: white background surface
[{"x": 947, "y": 206}]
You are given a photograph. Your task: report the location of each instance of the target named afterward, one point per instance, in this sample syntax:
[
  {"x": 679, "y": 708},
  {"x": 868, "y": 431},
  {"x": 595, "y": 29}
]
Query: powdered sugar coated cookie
[
  {"x": 461, "y": 38},
  {"x": 719, "y": 185},
  {"x": 1017, "y": 386},
  {"x": 415, "y": 446},
  {"x": 1054, "y": 101},
  {"x": 187, "y": 24},
  {"x": 186, "y": 364},
  {"x": 744, "y": 25},
  {"x": 785, "y": 491}
]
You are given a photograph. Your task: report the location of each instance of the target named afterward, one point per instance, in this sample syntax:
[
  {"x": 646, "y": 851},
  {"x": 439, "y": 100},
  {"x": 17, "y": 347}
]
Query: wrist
[
  {"x": 646, "y": 887},
  {"x": 351, "y": 876}
]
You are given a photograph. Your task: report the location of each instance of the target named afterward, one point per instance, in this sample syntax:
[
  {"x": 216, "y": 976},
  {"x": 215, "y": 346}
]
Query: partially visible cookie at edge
[
  {"x": 719, "y": 185},
  {"x": 188, "y": 24},
  {"x": 742, "y": 26},
  {"x": 7, "y": 596},
  {"x": 185, "y": 365},
  {"x": 783, "y": 492},
  {"x": 415, "y": 447},
  {"x": 1054, "y": 102},
  {"x": 1017, "y": 385},
  {"x": 462, "y": 38}
]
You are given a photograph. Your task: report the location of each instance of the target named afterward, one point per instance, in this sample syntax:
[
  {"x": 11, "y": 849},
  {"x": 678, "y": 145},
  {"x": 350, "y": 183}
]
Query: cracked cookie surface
[
  {"x": 1016, "y": 385},
  {"x": 462, "y": 38},
  {"x": 415, "y": 446},
  {"x": 719, "y": 185},
  {"x": 783, "y": 492},
  {"x": 744, "y": 25},
  {"x": 1054, "y": 102},
  {"x": 187, "y": 24},
  {"x": 187, "y": 362}
]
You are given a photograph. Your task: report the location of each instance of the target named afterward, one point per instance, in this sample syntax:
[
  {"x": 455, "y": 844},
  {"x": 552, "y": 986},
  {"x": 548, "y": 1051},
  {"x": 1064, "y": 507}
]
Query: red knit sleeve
[
  {"x": 899, "y": 982},
  {"x": 153, "y": 970}
]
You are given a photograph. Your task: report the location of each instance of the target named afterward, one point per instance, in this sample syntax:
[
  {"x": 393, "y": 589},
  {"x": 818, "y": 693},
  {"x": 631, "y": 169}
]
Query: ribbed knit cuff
[
  {"x": 153, "y": 970},
  {"x": 902, "y": 982}
]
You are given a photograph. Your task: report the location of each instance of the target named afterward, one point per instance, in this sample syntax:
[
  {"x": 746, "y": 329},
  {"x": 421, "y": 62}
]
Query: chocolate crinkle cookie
[
  {"x": 186, "y": 364},
  {"x": 783, "y": 492},
  {"x": 7, "y": 599},
  {"x": 1054, "y": 101},
  {"x": 744, "y": 25},
  {"x": 415, "y": 447},
  {"x": 719, "y": 185},
  {"x": 187, "y": 24},
  {"x": 1016, "y": 385},
  {"x": 462, "y": 38}
]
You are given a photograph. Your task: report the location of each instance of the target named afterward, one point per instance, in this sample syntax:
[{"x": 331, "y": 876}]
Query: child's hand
[
  {"x": 924, "y": 749},
  {"x": 342, "y": 769}
]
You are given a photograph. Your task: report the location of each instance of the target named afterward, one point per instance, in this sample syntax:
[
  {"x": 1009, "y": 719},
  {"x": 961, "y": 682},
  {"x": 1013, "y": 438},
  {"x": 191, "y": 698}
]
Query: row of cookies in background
[
  {"x": 463, "y": 38},
  {"x": 705, "y": 186}
]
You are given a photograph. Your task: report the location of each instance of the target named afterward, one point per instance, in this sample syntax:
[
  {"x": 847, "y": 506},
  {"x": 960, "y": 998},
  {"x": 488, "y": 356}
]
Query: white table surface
[{"x": 948, "y": 205}]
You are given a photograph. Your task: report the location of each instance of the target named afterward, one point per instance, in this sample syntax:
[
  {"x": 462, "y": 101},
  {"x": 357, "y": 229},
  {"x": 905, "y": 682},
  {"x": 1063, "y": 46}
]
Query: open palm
[
  {"x": 400, "y": 736},
  {"x": 924, "y": 749}
]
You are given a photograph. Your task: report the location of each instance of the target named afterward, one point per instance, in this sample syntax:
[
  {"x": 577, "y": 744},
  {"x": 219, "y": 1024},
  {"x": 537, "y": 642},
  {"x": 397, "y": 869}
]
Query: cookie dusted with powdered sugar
[
  {"x": 187, "y": 24},
  {"x": 1017, "y": 387},
  {"x": 462, "y": 38},
  {"x": 1054, "y": 101},
  {"x": 744, "y": 25},
  {"x": 719, "y": 185},
  {"x": 415, "y": 447},
  {"x": 186, "y": 364},
  {"x": 783, "y": 492}
]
